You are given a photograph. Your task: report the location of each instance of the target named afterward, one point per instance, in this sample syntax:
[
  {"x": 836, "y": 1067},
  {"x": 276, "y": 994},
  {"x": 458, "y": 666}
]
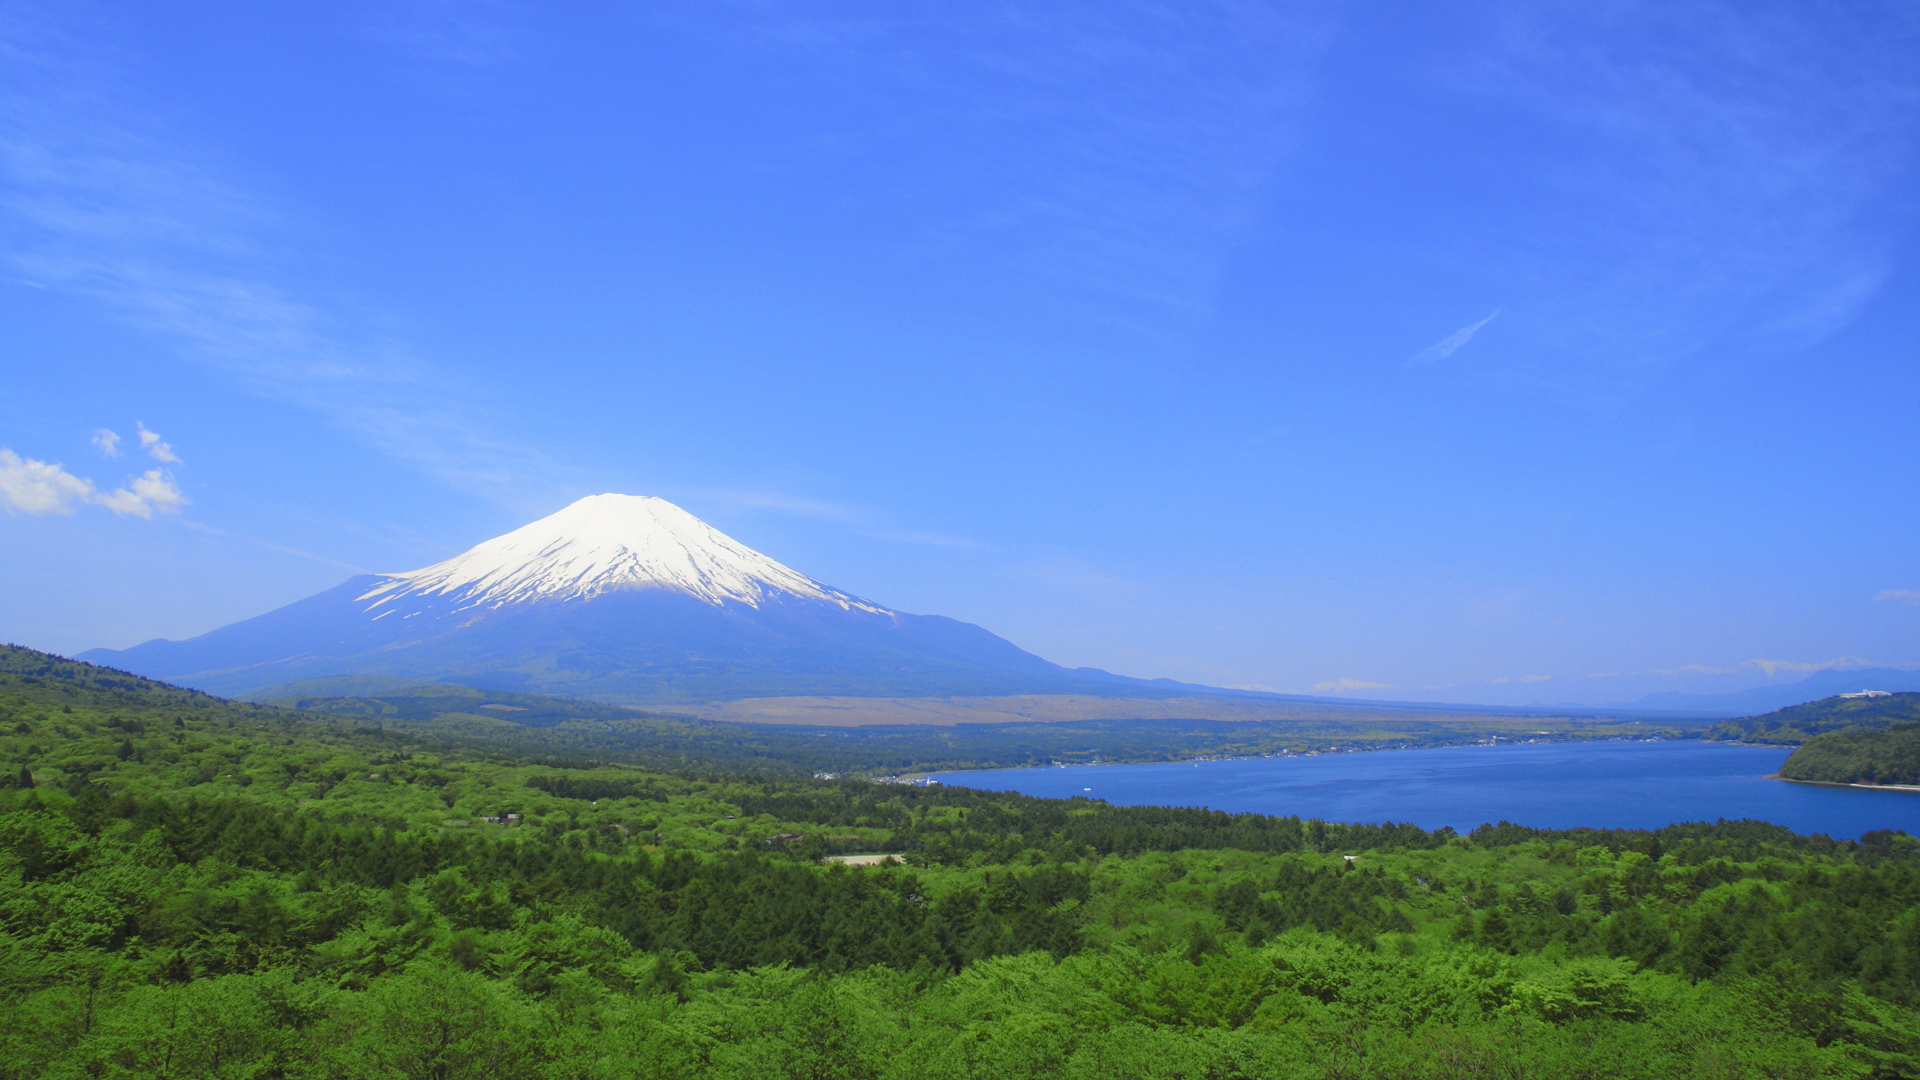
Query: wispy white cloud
[
  {"x": 1771, "y": 668},
  {"x": 1775, "y": 667},
  {"x": 101, "y": 200},
  {"x": 1450, "y": 344},
  {"x": 30, "y": 486},
  {"x": 782, "y": 503},
  {"x": 1901, "y": 596},
  {"x": 1163, "y": 125},
  {"x": 1742, "y": 186},
  {"x": 155, "y": 446},
  {"x": 1683, "y": 669},
  {"x": 930, "y": 539},
  {"x": 209, "y": 530},
  {"x": 868, "y": 523},
  {"x": 108, "y": 442},
  {"x": 1347, "y": 686}
]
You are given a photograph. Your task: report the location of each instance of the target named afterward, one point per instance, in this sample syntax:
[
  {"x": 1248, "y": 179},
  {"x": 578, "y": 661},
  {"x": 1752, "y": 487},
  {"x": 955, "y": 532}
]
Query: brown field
[{"x": 1045, "y": 709}]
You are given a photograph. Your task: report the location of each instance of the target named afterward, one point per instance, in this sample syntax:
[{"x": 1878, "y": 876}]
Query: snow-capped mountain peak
[{"x": 600, "y": 544}]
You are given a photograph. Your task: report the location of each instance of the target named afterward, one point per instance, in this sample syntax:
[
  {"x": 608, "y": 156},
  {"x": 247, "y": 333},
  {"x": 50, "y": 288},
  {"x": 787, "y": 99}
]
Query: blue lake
[{"x": 1616, "y": 785}]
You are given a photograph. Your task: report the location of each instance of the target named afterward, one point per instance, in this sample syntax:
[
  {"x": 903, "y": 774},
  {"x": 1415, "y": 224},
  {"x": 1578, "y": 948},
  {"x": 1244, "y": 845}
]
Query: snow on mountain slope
[
  {"x": 615, "y": 598},
  {"x": 600, "y": 544}
]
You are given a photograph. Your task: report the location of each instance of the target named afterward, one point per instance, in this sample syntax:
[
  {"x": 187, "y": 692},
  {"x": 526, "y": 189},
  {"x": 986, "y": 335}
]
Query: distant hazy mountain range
[
  {"x": 619, "y": 598},
  {"x": 1761, "y": 699}
]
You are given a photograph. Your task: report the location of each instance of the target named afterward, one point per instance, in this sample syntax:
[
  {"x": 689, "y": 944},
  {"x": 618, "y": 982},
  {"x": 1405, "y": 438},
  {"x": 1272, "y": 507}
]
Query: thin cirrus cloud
[
  {"x": 1450, "y": 344},
  {"x": 209, "y": 530},
  {"x": 1900, "y": 596},
  {"x": 1740, "y": 191},
  {"x": 1164, "y": 123},
  {"x": 102, "y": 204},
  {"x": 869, "y": 523},
  {"x": 30, "y": 486},
  {"x": 778, "y": 503}
]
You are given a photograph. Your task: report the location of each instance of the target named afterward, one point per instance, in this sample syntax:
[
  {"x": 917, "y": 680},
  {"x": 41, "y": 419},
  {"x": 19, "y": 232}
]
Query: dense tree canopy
[
  {"x": 1859, "y": 756},
  {"x": 190, "y": 887}
]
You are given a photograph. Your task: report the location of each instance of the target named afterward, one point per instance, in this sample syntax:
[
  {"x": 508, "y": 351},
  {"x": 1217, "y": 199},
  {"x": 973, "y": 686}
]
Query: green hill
[
  {"x": 1798, "y": 723},
  {"x": 1841, "y": 740},
  {"x": 192, "y": 887},
  {"x": 1859, "y": 756}
]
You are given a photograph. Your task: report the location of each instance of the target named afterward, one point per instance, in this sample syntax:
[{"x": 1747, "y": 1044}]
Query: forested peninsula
[
  {"x": 1859, "y": 756},
  {"x": 192, "y": 887},
  {"x": 1871, "y": 739}
]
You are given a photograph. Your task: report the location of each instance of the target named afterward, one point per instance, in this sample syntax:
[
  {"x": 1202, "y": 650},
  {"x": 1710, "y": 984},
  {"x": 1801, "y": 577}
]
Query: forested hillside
[
  {"x": 1798, "y": 723},
  {"x": 1859, "y": 756},
  {"x": 196, "y": 888}
]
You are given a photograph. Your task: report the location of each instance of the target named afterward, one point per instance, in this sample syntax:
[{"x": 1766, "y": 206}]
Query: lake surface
[{"x": 1616, "y": 785}]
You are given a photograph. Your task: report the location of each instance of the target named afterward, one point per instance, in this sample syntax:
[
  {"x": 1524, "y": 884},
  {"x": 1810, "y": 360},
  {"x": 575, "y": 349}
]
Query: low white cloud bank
[
  {"x": 1797, "y": 667},
  {"x": 1342, "y": 686},
  {"x": 28, "y": 486}
]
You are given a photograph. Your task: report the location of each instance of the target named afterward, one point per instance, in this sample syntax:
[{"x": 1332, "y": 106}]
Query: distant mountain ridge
[
  {"x": 1815, "y": 687},
  {"x": 620, "y": 598}
]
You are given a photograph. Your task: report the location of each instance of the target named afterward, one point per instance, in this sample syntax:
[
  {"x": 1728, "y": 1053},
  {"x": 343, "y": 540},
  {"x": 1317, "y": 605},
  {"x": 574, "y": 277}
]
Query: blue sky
[{"x": 1439, "y": 351}]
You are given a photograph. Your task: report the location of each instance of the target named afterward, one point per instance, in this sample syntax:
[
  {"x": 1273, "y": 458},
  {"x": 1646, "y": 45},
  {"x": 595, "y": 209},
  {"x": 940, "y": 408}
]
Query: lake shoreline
[
  {"x": 1909, "y": 789},
  {"x": 1502, "y": 741},
  {"x": 1623, "y": 784}
]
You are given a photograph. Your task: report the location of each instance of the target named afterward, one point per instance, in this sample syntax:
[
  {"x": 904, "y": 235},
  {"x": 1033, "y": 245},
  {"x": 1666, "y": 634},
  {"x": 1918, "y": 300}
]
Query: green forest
[
  {"x": 1840, "y": 740},
  {"x": 1859, "y": 756},
  {"x": 191, "y": 887}
]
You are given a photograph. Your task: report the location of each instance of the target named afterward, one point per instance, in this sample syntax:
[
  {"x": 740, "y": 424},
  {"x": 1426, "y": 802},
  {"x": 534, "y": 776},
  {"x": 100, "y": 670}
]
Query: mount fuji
[{"x": 620, "y": 598}]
